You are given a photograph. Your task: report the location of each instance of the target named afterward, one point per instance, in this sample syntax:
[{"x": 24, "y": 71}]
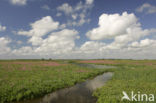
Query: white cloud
[
  {"x": 126, "y": 32},
  {"x": 143, "y": 43},
  {"x": 92, "y": 47},
  {"x": 128, "y": 40},
  {"x": 18, "y": 2},
  {"x": 74, "y": 16},
  {"x": 72, "y": 12},
  {"x": 40, "y": 28},
  {"x": 82, "y": 20},
  {"x": 45, "y": 7},
  {"x": 145, "y": 49},
  {"x": 2, "y": 28},
  {"x": 59, "y": 14},
  {"x": 58, "y": 42},
  {"x": 146, "y": 7},
  {"x": 35, "y": 40},
  {"x": 123, "y": 29},
  {"x": 62, "y": 26},
  {"x": 25, "y": 50},
  {"x": 4, "y": 48},
  {"x": 79, "y": 6},
  {"x": 122, "y": 41},
  {"x": 111, "y": 25},
  {"x": 66, "y": 8},
  {"x": 89, "y": 1}
]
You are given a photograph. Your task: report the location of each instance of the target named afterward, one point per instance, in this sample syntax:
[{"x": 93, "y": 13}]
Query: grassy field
[
  {"x": 131, "y": 75},
  {"x": 24, "y": 79}
]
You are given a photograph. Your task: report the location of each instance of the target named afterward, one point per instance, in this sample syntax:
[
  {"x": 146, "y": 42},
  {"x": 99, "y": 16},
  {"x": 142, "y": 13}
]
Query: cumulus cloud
[
  {"x": 40, "y": 28},
  {"x": 24, "y": 51},
  {"x": 58, "y": 42},
  {"x": 66, "y": 8},
  {"x": 122, "y": 41},
  {"x": 128, "y": 40},
  {"x": 123, "y": 29},
  {"x": 146, "y": 7},
  {"x": 78, "y": 13},
  {"x": 143, "y": 43},
  {"x": 92, "y": 47},
  {"x": 4, "y": 48},
  {"x": 2, "y": 28},
  {"x": 111, "y": 25},
  {"x": 18, "y": 2},
  {"x": 125, "y": 32},
  {"x": 62, "y": 26},
  {"x": 89, "y": 1},
  {"x": 35, "y": 40},
  {"x": 143, "y": 49}
]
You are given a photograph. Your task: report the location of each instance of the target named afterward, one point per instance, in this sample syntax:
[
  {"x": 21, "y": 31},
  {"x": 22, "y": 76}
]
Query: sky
[{"x": 78, "y": 29}]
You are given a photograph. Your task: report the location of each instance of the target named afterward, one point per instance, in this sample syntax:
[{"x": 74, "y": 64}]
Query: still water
[
  {"x": 79, "y": 93},
  {"x": 94, "y": 66}
]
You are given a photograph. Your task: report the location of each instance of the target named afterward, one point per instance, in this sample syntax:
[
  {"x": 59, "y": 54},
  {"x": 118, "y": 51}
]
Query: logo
[{"x": 137, "y": 97}]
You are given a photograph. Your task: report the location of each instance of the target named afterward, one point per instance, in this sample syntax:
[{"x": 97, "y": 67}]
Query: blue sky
[{"x": 78, "y": 29}]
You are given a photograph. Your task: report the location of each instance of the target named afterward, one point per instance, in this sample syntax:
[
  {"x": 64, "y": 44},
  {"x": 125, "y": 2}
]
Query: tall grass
[{"x": 129, "y": 77}]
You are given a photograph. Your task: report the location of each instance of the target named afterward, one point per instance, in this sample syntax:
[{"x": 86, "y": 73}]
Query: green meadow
[
  {"x": 28, "y": 79},
  {"x": 20, "y": 80},
  {"x": 131, "y": 75}
]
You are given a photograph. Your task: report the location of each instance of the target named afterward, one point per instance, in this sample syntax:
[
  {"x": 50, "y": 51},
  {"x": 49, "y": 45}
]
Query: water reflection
[
  {"x": 95, "y": 66},
  {"x": 80, "y": 93}
]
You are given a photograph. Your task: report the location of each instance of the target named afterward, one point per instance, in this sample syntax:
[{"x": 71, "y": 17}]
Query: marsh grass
[
  {"x": 30, "y": 79},
  {"x": 36, "y": 80},
  {"x": 130, "y": 76}
]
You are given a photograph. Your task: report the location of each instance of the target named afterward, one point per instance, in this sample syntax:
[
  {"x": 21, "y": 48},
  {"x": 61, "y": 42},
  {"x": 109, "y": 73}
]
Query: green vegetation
[
  {"x": 20, "y": 80},
  {"x": 131, "y": 75},
  {"x": 26, "y": 79}
]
